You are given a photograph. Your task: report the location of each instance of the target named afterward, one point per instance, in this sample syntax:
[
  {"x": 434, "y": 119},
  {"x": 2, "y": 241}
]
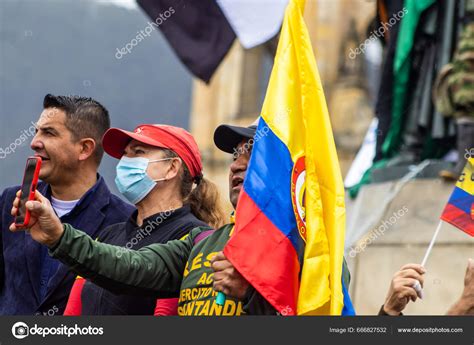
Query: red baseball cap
[{"x": 174, "y": 138}]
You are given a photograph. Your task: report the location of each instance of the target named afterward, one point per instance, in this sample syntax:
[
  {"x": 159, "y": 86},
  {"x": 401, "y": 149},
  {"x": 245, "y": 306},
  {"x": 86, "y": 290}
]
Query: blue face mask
[{"x": 132, "y": 180}]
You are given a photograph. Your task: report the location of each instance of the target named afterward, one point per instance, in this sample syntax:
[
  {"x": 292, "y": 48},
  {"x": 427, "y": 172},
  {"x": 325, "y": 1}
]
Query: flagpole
[{"x": 433, "y": 240}]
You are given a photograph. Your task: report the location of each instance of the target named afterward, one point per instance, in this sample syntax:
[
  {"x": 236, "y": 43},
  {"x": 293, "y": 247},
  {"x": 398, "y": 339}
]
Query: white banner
[{"x": 254, "y": 21}]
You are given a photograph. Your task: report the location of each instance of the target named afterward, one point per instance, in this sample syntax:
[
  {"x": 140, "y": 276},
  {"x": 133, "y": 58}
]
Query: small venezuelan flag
[
  {"x": 290, "y": 219},
  {"x": 460, "y": 208}
]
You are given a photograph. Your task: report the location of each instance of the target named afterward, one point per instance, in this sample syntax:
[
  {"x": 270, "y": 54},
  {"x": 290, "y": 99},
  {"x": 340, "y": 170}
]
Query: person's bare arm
[
  {"x": 465, "y": 304},
  {"x": 406, "y": 285}
]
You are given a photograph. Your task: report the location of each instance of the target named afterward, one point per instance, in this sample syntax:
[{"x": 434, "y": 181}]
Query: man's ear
[{"x": 87, "y": 148}]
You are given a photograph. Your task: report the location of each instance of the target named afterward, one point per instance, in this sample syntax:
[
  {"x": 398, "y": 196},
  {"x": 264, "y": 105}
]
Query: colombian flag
[
  {"x": 460, "y": 208},
  {"x": 288, "y": 240}
]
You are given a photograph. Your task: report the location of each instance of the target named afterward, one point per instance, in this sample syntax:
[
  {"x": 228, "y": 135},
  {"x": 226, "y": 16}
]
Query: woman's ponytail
[
  {"x": 205, "y": 203},
  {"x": 204, "y": 198}
]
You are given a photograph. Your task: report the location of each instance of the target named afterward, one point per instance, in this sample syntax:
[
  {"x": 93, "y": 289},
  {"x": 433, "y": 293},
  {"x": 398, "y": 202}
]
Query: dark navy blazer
[{"x": 20, "y": 257}]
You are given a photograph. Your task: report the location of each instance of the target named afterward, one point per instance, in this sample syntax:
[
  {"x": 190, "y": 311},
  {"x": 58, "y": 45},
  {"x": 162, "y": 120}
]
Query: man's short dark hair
[{"x": 85, "y": 118}]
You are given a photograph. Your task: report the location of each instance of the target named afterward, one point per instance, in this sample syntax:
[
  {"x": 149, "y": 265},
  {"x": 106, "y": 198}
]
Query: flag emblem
[{"x": 298, "y": 194}]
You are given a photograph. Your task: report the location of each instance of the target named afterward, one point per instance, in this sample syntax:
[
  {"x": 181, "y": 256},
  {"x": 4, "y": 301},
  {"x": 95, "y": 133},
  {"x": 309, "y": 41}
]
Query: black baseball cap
[{"x": 227, "y": 137}]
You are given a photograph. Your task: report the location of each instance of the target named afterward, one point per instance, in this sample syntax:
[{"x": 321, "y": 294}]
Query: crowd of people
[{"x": 86, "y": 251}]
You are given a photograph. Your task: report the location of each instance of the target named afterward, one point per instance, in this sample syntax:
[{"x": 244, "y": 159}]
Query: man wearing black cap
[
  {"x": 183, "y": 268},
  {"x": 238, "y": 141}
]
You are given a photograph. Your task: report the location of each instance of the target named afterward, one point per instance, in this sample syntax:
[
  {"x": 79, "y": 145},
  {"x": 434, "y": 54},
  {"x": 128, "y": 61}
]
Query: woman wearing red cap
[{"x": 160, "y": 172}]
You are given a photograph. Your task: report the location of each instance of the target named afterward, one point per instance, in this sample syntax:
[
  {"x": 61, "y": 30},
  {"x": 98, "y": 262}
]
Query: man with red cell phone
[{"x": 68, "y": 141}]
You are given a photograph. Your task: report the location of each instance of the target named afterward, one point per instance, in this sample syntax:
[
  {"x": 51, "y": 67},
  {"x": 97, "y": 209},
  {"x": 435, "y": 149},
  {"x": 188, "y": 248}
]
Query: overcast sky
[{"x": 123, "y": 3}]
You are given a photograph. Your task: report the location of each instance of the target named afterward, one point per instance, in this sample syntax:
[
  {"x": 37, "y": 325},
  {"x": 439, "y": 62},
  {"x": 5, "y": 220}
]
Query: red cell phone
[{"x": 28, "y": 189}]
